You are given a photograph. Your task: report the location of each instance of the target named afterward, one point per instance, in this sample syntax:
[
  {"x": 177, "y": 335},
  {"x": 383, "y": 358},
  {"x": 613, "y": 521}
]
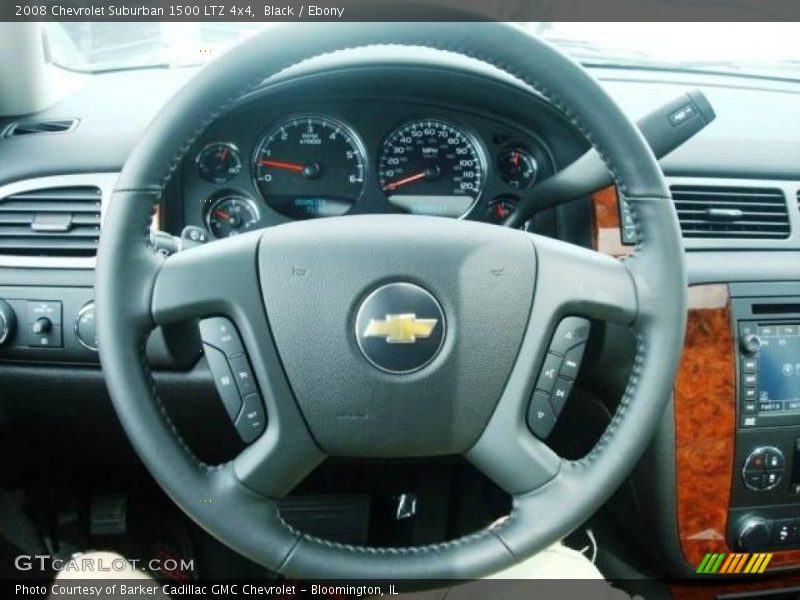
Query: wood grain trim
[
  {"x": 705, "y": 427},
  {"x": 705, "y": 423},
  {"x": 607, "y": 232}
]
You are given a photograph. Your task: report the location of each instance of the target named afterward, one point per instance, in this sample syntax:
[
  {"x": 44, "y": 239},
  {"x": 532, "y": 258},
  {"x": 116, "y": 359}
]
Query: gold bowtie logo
[{"x": 401, "y": 329}]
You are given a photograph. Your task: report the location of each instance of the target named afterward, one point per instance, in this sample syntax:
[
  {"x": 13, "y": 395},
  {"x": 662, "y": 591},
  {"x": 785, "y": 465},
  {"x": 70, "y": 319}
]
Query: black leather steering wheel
[{"x": 294, "y": 292}]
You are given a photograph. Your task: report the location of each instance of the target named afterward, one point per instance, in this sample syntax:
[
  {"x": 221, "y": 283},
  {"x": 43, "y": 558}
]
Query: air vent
[
  {"x": 731, "y": 212},
  {"x": 62, "y": 221},
  {"x": 22, "y": 128}
]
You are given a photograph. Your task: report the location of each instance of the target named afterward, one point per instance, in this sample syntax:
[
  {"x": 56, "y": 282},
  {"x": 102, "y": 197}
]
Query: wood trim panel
[
  {"x": 705, "y": 427},
  {"x": 705, "y": 423},
  {"x": 607, "y": 232}
]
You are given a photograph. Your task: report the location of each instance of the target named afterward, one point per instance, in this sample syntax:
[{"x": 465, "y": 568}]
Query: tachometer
[
  {"x": 432, "y": 167},
  {"x": 310, "y": 166}
]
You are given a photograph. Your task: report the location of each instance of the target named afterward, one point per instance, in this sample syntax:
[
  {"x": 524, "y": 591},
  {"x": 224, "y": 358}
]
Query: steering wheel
[{"x": 311, "y": 302}]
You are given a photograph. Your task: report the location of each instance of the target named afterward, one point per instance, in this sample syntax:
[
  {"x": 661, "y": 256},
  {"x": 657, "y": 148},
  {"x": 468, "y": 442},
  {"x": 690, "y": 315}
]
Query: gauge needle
[
  {"x": 222, "y": 213},
  {"x": 392, "y": 186},
  {"x": 279, "y": 164}
]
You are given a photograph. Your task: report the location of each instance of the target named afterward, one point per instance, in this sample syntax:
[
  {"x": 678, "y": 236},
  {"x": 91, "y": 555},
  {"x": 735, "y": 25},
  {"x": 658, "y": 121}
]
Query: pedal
[{"x": 108, "y": 515}]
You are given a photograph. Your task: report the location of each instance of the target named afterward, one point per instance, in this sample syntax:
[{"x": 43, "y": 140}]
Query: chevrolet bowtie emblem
[{"x": 403, "y": 328}]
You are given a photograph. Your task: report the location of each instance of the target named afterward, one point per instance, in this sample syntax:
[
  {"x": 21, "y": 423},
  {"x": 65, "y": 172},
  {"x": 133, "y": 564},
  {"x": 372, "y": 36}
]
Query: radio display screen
[{"x": 779, "y": 368}]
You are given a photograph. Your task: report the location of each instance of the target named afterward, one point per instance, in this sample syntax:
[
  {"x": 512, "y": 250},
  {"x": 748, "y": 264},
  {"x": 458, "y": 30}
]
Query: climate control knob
[
  {"x": 8, "y": 322},
  {"x": 753, "y": 533}
]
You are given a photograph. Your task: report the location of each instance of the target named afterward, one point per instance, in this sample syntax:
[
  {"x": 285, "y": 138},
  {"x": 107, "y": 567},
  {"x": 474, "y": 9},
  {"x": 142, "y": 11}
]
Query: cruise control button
[
  {"x": 221, "y": 333},
  {"x": 541, "y": 419},
  {"x": 549, "y": 373},
  {"x": 252, "y": 420},
  {"x": 572, "y": 362},
  {"x": 560, "y": 394},
  {"x": 569, "y": 333},
  {"x": 223, "y": 379},
  {"x": 243, "y": 375}
]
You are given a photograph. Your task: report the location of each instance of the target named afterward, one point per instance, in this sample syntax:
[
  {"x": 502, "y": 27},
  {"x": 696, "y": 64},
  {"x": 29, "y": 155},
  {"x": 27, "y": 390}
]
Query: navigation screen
[{"x": 779, "y": 368}]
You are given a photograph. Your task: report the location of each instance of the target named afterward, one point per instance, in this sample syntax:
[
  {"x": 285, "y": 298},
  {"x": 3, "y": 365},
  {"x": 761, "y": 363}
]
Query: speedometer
[{"x": 432, "y": 167}]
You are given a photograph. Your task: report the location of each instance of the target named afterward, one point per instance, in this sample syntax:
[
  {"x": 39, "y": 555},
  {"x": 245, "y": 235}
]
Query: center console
[{"x": 764, "y": 511}]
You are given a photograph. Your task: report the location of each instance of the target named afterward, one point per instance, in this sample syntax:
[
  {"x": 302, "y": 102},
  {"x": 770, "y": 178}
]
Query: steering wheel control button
[
  {"x": 541, "y": 418},
  {"x": 243, "y": 375},
  {"x": 569, "y": 333},
  {"x": 224, "y": 380},
  {"x": 252, "y": 420},
  {"x": 549, "y": 372},
  {"x": 560, "y": 394},
  {"x": 221, "y": 333},
  {"x": 572, "y": 362},
  {"x": 763, "y": 469},
  {"x": 400, "y": 328}
]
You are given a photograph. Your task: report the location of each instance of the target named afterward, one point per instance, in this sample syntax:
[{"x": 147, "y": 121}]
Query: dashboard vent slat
[
  {"x": 24, "y": 128},
  {"x": 727, "y": 212},
  {"x": 62, "y": 221}
]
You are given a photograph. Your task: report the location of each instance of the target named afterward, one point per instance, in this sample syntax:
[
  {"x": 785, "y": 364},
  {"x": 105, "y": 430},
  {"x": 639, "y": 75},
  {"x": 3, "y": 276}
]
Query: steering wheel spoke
[
  {"x": 210, "y": 280},
  {"x": 221, "y": 279},
  {"x": 576, "y": 281}
]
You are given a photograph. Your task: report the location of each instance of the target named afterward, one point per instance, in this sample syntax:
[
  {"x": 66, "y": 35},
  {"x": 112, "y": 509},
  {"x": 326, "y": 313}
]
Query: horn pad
[{"x": 397, "y": 333}]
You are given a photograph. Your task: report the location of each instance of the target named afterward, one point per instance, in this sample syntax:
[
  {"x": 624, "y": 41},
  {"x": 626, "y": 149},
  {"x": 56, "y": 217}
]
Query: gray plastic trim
[{"x": 104, "y": 181}]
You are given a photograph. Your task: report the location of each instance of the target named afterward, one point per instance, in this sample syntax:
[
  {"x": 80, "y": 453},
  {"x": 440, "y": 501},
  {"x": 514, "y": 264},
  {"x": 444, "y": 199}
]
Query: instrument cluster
[{"x": 310, "y": 165}]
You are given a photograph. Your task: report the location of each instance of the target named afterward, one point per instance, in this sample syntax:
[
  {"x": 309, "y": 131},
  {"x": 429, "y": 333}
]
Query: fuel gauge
[
  {"x": 517, "y": 168},
  {"x": 232, "y": 215}
]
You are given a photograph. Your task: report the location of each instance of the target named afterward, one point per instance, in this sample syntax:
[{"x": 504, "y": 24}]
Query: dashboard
[{"x": 304, "y": 149}]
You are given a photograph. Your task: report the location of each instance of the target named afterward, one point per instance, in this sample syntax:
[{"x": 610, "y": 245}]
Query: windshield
[{"x": 760, "y": 49}]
